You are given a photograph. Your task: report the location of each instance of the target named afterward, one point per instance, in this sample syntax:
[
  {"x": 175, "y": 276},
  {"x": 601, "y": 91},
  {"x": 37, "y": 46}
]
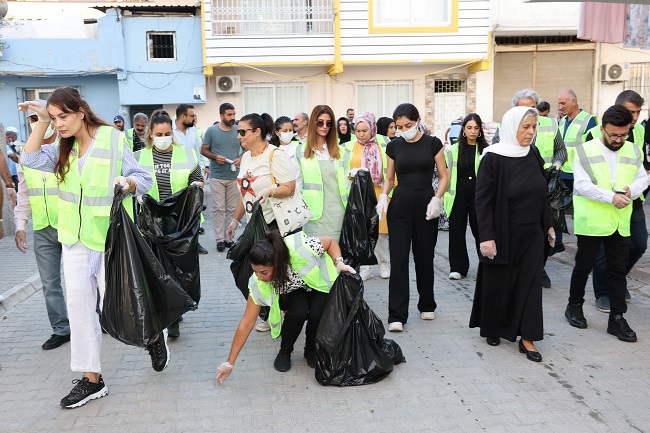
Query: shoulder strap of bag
[{"x": 273, "y": 182}]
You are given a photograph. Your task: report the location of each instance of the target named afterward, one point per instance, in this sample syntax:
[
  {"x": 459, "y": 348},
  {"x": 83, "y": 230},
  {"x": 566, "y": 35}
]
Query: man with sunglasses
[
  {"x": 608, "y": 174},
  {"x": 638, "y": 230}
]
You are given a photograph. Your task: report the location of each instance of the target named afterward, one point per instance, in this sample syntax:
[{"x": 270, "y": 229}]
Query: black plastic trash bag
[
  {"x": 559, "y": 196},
  {"x": 172, "y": 228},
  {"x": 140, "y": 299},
  {"x": 350, "y": 345},
  {"x": 361, "y": 223},
  {"x": 255, "y": 231}
]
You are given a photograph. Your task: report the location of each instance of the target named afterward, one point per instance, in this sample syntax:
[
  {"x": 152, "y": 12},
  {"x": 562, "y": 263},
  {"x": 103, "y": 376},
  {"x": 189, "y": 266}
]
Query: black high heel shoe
[
  {"x": 532, "y": 356},
  {"x": 493, "y": 341}
]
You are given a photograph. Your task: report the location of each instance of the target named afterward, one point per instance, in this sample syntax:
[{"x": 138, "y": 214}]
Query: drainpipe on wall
[{"x": 337, "y": 67}]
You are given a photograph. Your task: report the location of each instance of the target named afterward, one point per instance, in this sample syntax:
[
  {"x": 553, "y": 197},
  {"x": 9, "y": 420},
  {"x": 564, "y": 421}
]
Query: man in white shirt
[
  {"x": 300, "y": 123},
  {"x": 608, "y": 175}
]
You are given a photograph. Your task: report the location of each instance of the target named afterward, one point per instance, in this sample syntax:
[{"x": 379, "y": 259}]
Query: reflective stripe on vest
[
  {"x": 316, "y": 272},
  {"x": 85, "y": 198},
  {"x": 451, "y": 157},
  {"x": 43, "y": 198},
  {"x": 183, "y": 163},
  {"x": 574, "y": 135},
  {"x": 545, "y": 139},
  {"x": 312, "y": 186},
  {"x": 594, "y": 218}
]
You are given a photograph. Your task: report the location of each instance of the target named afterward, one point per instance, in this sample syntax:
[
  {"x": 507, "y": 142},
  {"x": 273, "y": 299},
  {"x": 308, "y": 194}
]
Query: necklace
[{"x": 266, "y": 144}]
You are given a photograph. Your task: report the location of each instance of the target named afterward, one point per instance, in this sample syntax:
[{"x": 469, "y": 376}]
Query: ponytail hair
[
  {"x": 273, "y": 252},
  {"x": 264, "y": 123},
  {"x": 277, "y": 126}
]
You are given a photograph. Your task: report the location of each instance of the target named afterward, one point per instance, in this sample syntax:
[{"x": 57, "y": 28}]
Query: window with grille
[
  {"x": 276, "y": 99},
  {"x": 640, "y": 80},
  {"x": 450, "y": 86},
  {"x": 161, "y": 46},
  {"x": 411, "y": 13},
  {"x": 40, "y": 93},
  {"x": 381, "y": 98},
  {"x": 272, "y": 17}
]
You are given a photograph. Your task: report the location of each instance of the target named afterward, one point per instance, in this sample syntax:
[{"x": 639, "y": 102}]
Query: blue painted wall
[{"x": 112, "y": 70}]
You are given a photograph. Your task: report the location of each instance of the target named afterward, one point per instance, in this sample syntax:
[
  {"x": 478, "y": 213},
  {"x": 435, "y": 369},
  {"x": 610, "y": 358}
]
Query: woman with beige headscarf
[{"x": 514, "y": 221}]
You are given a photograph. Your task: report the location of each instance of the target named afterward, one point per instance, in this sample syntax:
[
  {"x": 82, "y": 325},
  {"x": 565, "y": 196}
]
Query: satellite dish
[{"x": 225, "y": 83}]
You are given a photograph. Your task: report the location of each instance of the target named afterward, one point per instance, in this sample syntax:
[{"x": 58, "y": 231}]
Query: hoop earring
[
  {"x": 464, "y": 134},
  {"x": 479, "y": 134}
]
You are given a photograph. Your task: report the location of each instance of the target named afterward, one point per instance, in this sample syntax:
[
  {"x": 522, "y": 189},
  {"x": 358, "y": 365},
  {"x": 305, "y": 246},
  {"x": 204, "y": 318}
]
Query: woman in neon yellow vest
[
  {"x": 171, "y": 165},
  {"x": 324, "y": 168},
  {"x": 89, "y": 158},
  {"x": 298, "y": 268},
  {"x": 462, "y": 160},
  {"x": 369, "y": 153}
]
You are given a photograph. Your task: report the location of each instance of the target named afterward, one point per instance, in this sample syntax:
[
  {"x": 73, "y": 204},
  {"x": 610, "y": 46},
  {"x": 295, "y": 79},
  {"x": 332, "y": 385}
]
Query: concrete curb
[{"x": 18, "y": 293}]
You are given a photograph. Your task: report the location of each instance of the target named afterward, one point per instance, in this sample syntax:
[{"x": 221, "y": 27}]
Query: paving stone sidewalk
[{"x": 452, "y": 380}]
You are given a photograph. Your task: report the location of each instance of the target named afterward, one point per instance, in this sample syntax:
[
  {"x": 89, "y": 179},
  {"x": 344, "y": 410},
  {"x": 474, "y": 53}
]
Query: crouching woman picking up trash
[{"x": 297, "y": 268}]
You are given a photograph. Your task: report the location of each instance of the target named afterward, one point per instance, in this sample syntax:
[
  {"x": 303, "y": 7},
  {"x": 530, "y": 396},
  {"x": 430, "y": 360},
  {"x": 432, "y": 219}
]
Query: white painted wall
[{"x": 515, "y": 16}]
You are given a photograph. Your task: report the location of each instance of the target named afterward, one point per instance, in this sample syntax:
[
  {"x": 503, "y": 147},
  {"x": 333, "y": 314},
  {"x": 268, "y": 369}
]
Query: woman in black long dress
[{"x": 514, "y": 221}]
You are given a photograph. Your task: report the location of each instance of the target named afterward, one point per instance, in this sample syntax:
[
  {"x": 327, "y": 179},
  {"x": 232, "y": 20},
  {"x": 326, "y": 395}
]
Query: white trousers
[
  {"x": 82, "y": 292},
  {"x": 381, "y": 250}
]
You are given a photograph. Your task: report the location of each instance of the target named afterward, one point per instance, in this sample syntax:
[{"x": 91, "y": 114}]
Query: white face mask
[
  {"x": 408, "y": 135},
  {"x": 163, "y": 143},
  {"x": 286, "y": 137},
  {"x": 49, "y": 132}
]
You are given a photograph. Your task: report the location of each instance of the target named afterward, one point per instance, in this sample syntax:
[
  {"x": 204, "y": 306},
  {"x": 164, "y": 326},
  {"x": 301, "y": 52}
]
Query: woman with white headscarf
[{"x": 514, "y": 220}]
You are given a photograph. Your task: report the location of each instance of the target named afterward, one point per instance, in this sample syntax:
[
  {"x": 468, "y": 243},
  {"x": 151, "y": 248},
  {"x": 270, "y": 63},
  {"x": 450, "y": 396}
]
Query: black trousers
[
  {"x": 408, "y": 227},
  {"x": 617, "y": 250},
  {"x": 302, "y": 306},
  {"x": 463, "y": 209}
]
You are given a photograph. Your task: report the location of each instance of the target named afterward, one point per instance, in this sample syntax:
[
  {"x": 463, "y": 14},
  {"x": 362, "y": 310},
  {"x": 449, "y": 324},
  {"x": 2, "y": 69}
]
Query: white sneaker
[
  {"x": 428, "y": 315},
  {"x": 263, "y": 327},
  {"x": 454, "y": 276},
  {"x": 395, "y": 327},
  {"x": 384, "y": 270},
  {"x": 365, "y": 272}
]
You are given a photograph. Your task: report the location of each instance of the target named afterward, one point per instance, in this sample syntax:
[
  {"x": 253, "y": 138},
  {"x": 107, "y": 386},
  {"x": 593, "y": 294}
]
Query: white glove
[
  {"x": 197, "y": 183},
  {"x": 341, "y": 266},
  {"x": 139, "y": 198},
  {"x": 262, "y": 195},
  {"x": 434, "y": 208},
  {"x": 489, "y": 249},
  {"x": 122, "y": 182},
  {"x": 36, "y": 107},
  {"x": 382, "y": 206},
  {"x": 557, "y": 166},
  {"x": 223, "y": 371},
  {"x": 230, "y": 231},
  {"x": 551, "y": 237},
  {"x": 353, "y": 172}
]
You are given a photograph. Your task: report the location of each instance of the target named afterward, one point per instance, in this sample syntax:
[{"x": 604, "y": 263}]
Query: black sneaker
[
  {"x": 202, "y": 250},
  {"x": 282, "y": 362},
  {"x": 310, "y": 356},
  {"x": 201, "y": 230},
  {"x": 617, "y": 326},
  {"x": 173, "y": 330},
  {"x": 229, "y": 244},
  {"x": 159, "y": 352},
  {"x": 55, "y": 341},
  {"x": 221, "y": 246},
  {"x": 556, "y": 249},
  {"x": 546, "y": 281},
  {"x": 84, "y": 391}
]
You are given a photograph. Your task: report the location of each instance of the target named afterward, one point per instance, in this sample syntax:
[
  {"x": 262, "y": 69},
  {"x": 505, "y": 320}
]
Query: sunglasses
[
  {"x": 242, "y": 132},
  {"x": 321, "y": 123}
]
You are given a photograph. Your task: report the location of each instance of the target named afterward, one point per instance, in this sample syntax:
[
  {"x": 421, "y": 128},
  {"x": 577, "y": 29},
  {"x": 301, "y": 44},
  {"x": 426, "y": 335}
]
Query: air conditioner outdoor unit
[
  {"x": 228, "y": 84},
  {"x": 615, "y": 72}
]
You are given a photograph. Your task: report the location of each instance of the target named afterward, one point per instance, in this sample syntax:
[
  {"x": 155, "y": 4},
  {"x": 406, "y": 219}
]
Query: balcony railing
[{"x": 272, "y": 17}]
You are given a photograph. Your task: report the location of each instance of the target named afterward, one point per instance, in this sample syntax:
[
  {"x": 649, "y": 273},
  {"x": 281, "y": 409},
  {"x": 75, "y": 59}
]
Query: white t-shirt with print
[{"x": 255, "y": 175}]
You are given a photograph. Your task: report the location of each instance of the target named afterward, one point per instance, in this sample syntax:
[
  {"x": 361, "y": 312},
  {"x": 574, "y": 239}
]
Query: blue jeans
[
  {"x": 47, "y": 250},
  {"x": 639, "y": 243}
]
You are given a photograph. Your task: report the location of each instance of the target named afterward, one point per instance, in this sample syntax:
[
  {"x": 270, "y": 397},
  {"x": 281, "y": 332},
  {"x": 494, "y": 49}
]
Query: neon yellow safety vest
[
  {"x": 594, "y": 218},
  {"x": 382, "y": 142},
  {"x": 451, "y": 157},
  {"x": 638, "y": 133},
  {"x": 317, "y": 272},
  {"x": 129, "y": 137},
  {"x": 85, "y": 198},
  {"x": 575, "y": 134},
  {"x": 43, "y": 198},
  {"x": 184, "y": 162},
  {"x": 545, "y": 139},
  {"x": 312, "y": 180}
]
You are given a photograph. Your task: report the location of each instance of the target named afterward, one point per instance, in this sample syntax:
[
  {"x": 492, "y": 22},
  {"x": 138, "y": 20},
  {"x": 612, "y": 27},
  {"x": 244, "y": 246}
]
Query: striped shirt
[{"x": 162, "y": 163}]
